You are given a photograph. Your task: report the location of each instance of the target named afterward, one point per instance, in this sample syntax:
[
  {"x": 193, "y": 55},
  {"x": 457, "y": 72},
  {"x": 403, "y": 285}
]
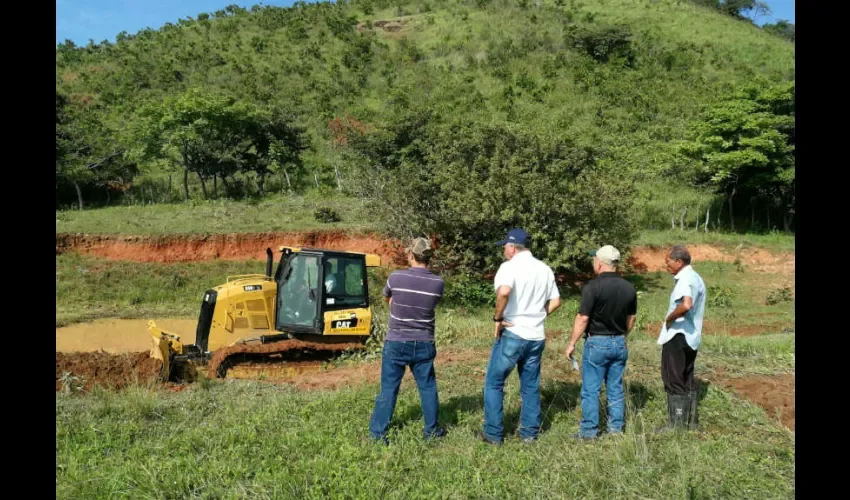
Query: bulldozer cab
[{"x": 314, "y": 284}]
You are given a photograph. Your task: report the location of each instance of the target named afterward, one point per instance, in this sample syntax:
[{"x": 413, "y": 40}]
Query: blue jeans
[
  {"x": 604, "y": 360},
  {"x": 508, "y": 351},
  {"x": 396, "y": 356}
]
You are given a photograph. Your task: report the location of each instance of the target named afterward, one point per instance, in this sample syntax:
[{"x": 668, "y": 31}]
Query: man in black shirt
[{"x": 606, "y": 315}]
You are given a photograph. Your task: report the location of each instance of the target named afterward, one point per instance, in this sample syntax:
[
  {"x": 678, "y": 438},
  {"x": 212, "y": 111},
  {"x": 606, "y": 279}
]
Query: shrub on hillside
[
  {"x": 470, "y": 183},
  {"x": 326, "y": 215}
]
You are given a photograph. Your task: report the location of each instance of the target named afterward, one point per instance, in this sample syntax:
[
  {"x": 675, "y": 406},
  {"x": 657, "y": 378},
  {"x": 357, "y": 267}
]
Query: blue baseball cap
[{"x": 515, "y": 235}]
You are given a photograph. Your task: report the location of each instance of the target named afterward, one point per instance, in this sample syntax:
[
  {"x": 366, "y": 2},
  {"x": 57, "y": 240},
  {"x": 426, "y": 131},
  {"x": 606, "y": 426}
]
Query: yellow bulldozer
[{"x": 317, "y": 301}]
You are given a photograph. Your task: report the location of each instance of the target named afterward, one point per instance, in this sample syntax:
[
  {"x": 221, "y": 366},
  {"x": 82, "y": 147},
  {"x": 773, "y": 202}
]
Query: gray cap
[{"x": 420, "y": 248}]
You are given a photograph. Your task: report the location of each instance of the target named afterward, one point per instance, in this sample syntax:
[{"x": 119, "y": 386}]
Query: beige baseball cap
[
  {"x": 420, "y": 248},
  {"x": 607, "y": 255}
]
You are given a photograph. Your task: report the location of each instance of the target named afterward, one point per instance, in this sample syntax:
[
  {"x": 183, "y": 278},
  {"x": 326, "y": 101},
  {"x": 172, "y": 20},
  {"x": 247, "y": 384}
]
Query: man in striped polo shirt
[{"x": 413, "y": 295}]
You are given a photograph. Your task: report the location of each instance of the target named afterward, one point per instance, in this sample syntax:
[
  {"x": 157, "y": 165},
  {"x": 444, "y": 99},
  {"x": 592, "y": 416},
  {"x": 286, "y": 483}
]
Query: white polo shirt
[
  {"x": 532, "y": 284},
  {"x": 690, "y": 284}
]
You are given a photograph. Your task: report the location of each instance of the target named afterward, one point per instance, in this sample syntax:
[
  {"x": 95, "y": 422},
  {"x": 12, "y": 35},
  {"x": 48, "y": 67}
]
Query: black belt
[{"x": 604, "y": 334}]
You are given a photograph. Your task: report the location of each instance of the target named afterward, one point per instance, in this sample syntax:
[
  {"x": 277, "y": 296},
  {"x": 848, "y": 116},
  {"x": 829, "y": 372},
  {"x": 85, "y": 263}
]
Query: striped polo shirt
[{"x": 415, "y": 292}]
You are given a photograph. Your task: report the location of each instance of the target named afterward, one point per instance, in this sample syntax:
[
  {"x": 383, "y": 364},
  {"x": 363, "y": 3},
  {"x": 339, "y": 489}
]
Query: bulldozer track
[{"x": 221, "y": 359}]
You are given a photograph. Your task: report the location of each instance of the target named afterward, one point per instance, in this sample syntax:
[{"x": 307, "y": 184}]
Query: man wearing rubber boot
[
  {"x": 680, "y": 337},
  {"x": 605, "y": 317},
  {"x": 526, "y": 294}
]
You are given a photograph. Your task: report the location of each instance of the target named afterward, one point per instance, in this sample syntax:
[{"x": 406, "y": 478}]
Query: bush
[
  {"x": 602, "y": 43},
  {"x": 470, "y": 183},
  {"x": 326, "y": 215},
  {"x": 468, "y": 291},
  {"x": 779, "y": 296},
  {"x": 720, "y": 296}
]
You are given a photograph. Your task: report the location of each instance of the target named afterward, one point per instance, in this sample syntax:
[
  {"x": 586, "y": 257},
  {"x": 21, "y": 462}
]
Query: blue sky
[{"x": 81, "y": 20}]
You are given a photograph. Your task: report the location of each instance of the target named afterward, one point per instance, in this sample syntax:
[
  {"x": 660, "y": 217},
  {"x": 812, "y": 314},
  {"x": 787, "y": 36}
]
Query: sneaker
[
  {"x": 369, "y": 439},
  {"x": 439, "y": 433},
  {"x": 577, "y": 436},
  {"x": 529, "y": 440},
  {"x": 480, "y": 435}
]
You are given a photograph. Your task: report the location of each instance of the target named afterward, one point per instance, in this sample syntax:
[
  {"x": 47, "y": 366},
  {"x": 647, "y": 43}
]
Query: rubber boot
[
  {"x": 693, "y": 419},
  {"x": 678, "y": 410},
  {"x": 681, "y": 410}
]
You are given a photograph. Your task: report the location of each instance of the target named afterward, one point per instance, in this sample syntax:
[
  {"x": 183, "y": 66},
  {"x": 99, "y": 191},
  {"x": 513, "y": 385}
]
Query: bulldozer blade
[{"x": 165, "y": 346}]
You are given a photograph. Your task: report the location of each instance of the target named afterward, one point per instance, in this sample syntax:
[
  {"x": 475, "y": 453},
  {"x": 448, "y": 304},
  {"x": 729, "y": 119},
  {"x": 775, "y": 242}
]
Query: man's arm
[
  {"x": 579, "y": 327},
  {"x": 585, "y": 308},
  {"x": 554, "y": 301},
  {"x": 682, "y": 309},
  {"x": 502, "y": 295},
  {"x": 387, "y": 292},
  {"x": 632, "y": 312},
  {"x": 681, "y": 291}
]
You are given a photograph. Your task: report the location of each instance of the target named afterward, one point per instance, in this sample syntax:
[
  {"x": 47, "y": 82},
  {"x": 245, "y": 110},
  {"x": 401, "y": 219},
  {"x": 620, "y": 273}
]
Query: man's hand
[
  {"x": 570, "y": 350},
  {"x": 501, "y": 325}
]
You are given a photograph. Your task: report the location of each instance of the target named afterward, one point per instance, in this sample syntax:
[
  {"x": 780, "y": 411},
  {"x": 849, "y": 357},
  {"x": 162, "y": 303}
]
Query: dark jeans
[
  {"x": 396, "y": 356},
  {"x": 511, "y": 351},
  {"x": 677, "y": 366}
]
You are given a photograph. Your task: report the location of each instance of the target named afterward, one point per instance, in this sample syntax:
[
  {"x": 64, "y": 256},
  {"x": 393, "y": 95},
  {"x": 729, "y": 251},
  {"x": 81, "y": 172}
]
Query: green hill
[{"x": 623, "y": 76}]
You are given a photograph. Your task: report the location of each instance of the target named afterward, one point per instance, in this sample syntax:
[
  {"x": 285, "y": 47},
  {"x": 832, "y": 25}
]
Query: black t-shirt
[{"x": 608, "y": 300}]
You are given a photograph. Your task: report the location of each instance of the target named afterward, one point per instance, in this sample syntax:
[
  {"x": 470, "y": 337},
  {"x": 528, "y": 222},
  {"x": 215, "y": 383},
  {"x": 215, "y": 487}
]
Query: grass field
[
  {"x": 774, "y": 241},
  {"x": 274, "y": 213},
  {"x": 255, "y": 439}
]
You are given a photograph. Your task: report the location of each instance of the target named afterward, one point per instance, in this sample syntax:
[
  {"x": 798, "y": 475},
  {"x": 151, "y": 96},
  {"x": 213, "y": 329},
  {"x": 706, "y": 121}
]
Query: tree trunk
[
  {"x": 215, "y": 185},
  {"x": 707, "y": 214},
  {"x": 289, "y": 184},
  {"x": 261, "y": 180},
  {"x": 673, "y": 221},
  {"x": 203, "y": 185},
  {"x": 169, "y": 187},
  {"x": 79, "y": 195},
  {"x": 316, "y": 178},
  {"x": 696, "y": 227},
  {"x": 752, "y": 212},
  {"x": 186, "y": 183},
  {"x": 108, "y": 197},
  {"x": 768, "y": 217},
  {"x": 682, "y": 219},
  {"x": 731, "y": 210},
  {"x": 338, "y": 179},
  {"x": 186, "y": 170},
  {"x": 786, "y": 220}
]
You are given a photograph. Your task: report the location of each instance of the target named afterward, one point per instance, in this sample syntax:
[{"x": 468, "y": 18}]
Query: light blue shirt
[{"x": 690, "y": 284}]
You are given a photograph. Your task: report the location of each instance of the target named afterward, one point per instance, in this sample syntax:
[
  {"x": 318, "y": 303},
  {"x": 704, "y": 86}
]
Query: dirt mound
[
  {"x": 240, "y": 246},
  {"x": 773, "y": 393},
  {"x": 651, "y": 259},
  {"x": 84, "y": 370}
]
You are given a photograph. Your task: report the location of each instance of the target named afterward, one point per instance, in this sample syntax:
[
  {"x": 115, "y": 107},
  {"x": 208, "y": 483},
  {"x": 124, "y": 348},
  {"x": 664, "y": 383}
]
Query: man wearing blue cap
[{"x": 526, "y": 294}]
